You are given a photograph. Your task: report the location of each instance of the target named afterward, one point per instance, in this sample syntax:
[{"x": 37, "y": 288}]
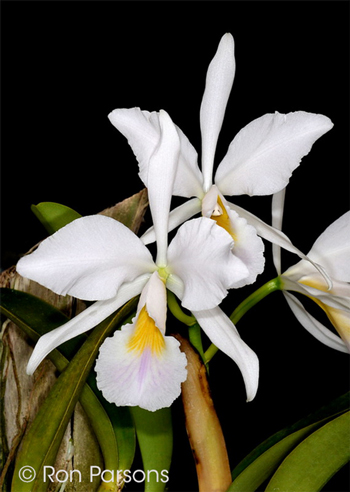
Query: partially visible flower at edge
[
  {"x": 98, "y": 258},
  {"x": 259, "y": 161},
  {"x": 332, "y": 251}
]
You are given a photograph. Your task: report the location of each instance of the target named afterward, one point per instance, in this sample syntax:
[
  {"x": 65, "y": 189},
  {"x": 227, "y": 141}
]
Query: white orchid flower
[
  {"x": 332, "y": 251},
  {"x": 98, "y": 258},
  {"x": 259, "y": 161}
]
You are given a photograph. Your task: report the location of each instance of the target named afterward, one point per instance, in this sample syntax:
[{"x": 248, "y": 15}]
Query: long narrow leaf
[
  {"x": 334, "y": 408},
  {"x": 40, "y": 445},
  {"x": 112, "y": 425},
  {"x": 311, "y": 465}
]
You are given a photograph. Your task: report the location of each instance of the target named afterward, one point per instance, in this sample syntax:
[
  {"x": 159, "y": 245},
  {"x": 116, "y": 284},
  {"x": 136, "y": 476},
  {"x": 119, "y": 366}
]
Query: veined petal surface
[
  {"x": 222, "y": 333},
  {"x": 90, "y": 258},
  {"x": 200, "y": 255},
  {"x": 219, "y": 80},
  {"x": 263, "y": 155}
]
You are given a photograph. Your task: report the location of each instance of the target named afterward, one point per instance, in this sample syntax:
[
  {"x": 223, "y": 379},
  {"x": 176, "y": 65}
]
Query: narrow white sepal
[
  {"x": 224, "y": 335},
  {"x": 83, "y": 322},
  {"x": 161, "y": 174},
  {"x": 219, "y": 80},
  {"x": 319, "y": 331}
]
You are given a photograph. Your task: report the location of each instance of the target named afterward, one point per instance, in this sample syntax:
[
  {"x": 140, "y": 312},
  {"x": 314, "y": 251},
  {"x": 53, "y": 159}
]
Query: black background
[{"x": 66, "y": 65}]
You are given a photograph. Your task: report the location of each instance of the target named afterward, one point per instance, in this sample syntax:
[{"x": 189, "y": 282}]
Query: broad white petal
[
  {"x": 176, "y": 217},
  {"x": 83, "y": 322},
  {"x": 248, "y": 247},
  {"x": 219, "y": 80},
  {"x": 313, "y": 326},
  {"x": 332, "y": 249},
  {"x": 142, "y": 130},
  {"x": 277, "y": 218},
  {"x": 200, "y": 255},
  {"x": 150, "y": 379},
  {"x": 161, "y": 174},
  {"x": 261, "y": 158},
  {"x": 90, "y": 258},
  {"x": 222, "y": 333}
]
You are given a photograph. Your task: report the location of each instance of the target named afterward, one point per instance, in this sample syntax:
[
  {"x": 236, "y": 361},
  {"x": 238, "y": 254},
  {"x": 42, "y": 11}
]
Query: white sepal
[
  {"x": 219, "y": 80},
  {"x": 313, "y": 326},
  {"x": 161, "y": 174},
  {"x": 83, "y": 322},
  {"x": 222, "y": 333}
]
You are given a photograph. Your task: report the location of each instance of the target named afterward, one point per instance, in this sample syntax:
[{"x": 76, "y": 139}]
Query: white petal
[
  {"x": 90, "y": 258},
  {"x": 176, "y": 217},
  {"x": 161, "y": 174},
  {"x": 200, "y": 255},
  {"x": 248, "y": 247},
  {"x": 263, "y": 155},
  {"x": 148, "y": 380},
  {"x": 189, "y": 179},
  {"x": 219, "y": 80},
  {"x": 142, "y": 130},
  {"x": 225, "y": 336},
  {"x": 332, "y": 249},
  {"x": 83, "y": 322},
  {"x": 313, "y": 326}
]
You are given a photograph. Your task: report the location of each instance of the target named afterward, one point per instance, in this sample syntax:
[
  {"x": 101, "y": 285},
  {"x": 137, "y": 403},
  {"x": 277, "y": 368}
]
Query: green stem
[
  {"x": 245, "y": 306},
  {"x": 177, "y": 311}
]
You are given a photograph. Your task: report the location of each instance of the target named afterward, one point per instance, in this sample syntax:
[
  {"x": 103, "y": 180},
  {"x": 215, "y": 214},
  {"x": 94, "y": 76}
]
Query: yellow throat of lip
[
  {"x": 222, "y": 218},
  {"x": 336, "y": 316},
  {"x": 146, "y": 335}
]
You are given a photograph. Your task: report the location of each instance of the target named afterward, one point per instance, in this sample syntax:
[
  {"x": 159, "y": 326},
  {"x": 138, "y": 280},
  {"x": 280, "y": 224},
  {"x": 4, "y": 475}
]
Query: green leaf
[
  {"x": 265, "y": 459},
  {"x": 155, "y": 437},
  {"x": 112, "y": 425},
  {"x": 311, "y": 465},
  {"x": 53, "y": 216},
  {"x": 40, "y": 444}
]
